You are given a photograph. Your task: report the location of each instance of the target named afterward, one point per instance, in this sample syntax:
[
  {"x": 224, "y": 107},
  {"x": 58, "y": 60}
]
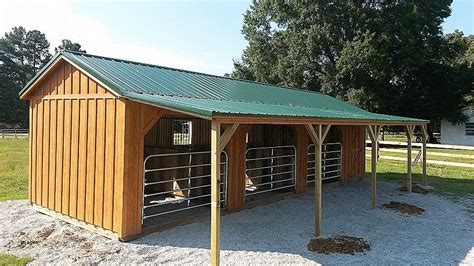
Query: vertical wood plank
[
  {"x": 133, "y": 152},
  {"x": 81, "y": 181},
  {"x": 236, "y": 169},
  {"x": 109, "y": 165},
  {"x": 30, "y": 149},
  {"x": 45, "y": 177},
  {"x": 318, "y": 181},
  {"x": 424, "y": 137},
  {"x": 74, "y": 158},
  {"x": 215, "y": 193},
  {"x": 67, "y": 140},
  {"x": 68, "y": 79},
  {"x": 119, "y": 166},
  {"x": 373, "y": 182},
  {"x": 33, "y": 149},
  {"x": 409, "y": 134},
  {"x": 61, "y": 79},
  {"x": 52, "y": 153},
  {"x": 91, "y": 161},
  {"x": 301, "y": 144},
  {"x": 100, "y": 161},
  {"x": 39, "y": 152},
  {"x": 59, "y": 154},
  {"x": 76, "y": 80}
]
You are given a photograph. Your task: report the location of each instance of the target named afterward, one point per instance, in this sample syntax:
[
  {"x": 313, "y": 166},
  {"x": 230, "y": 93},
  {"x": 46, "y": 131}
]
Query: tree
[
  {"x": 68, "y": 45},
  {"x": 387, "y": 56},
  {"x": 22, "y": 54}
]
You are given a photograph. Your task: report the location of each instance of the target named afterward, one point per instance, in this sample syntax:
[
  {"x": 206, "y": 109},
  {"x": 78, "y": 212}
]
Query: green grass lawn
[
  {"x": 13, "y": 169},
  {"x": 429, "y": 156},
  {"x": 456, "y": 181},
  {"x": 6, "y": 259}
]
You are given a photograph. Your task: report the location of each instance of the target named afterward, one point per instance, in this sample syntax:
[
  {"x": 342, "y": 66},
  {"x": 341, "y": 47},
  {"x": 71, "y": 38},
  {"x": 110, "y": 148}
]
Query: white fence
[{"x": 14, "y": 133}]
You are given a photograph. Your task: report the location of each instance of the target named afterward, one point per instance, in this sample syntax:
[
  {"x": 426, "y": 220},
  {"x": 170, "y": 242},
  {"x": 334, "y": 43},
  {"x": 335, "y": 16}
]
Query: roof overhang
[{"x": 227, "y": 119}]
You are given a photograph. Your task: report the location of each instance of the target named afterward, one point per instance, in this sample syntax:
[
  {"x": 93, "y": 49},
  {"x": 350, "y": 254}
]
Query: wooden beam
[
  {"x": 226, "y": 136},
  {"x": 424, "y": 137},
  {"x": 151, "y": 122},
  {"x": 409, "y": 133},
  {"x": 317, "y": 138},
  {"x": 215, "y": 192},
  {"x": 312, "y": 134},
  {"x": 373, "y": 134},
  {"x": 326, "y": 131}
]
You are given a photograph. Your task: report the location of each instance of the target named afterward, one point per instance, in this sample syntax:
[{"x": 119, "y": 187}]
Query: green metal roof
[{"x": 208, "y": 95}]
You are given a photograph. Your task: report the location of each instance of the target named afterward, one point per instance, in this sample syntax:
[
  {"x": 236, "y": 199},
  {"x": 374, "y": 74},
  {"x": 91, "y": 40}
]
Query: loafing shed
[{"x": 125, "y": 148}]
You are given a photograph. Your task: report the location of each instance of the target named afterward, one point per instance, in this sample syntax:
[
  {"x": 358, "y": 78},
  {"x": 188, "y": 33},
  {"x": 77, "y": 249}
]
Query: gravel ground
[{"x": 277, "y": 233}]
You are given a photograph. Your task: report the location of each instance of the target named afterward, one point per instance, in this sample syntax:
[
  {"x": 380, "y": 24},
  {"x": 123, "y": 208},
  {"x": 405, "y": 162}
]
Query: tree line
[
  {"x": 22, "y": 53},
  {"x": 386, "y": 56}
]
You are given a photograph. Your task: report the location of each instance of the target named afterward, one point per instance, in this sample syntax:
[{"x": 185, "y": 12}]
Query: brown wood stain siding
[
  {"x": 301, "y": 140},
  {"x": 236, "y": 174},
  {"x": 353, "y": 148},
  {"x": 77, "y": 150}
]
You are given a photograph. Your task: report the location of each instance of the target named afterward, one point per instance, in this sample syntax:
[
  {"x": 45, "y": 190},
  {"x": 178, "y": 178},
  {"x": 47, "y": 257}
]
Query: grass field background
[{"x": 13, "y": 169}]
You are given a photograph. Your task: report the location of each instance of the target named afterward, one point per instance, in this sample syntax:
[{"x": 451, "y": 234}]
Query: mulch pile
[
  {"x": 415, "y": 189},
  {"x": 404, "y": 208},
  {"x": 338, "y": 244}
]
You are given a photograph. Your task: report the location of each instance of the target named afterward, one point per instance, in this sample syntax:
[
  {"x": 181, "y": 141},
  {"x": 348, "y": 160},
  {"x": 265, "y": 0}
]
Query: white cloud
[{"x": 58, "y": 20}]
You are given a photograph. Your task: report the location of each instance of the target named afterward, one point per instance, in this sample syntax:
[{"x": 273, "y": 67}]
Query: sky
[{"x": 198, "y": 35}]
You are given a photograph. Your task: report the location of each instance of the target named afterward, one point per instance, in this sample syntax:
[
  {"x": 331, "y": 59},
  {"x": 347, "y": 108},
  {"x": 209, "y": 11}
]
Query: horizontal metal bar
[
  {"x": 331, "y": 165},
  {"x": 281, "y": 173},
  {"x": 180, "y": 154},
  {"x": 274, "y": 182},
  {"x": 177, "y": 210},
  {"x": 325, "y": 172},
  {"x": 333, "y": 171},
  {"x": 179, "y": 167},
  {"x": 323, "y": 160},
  {"x": 179, "y": 179},
  {"x": 324, "y": 178},
  {"x": 271, "y": 147},
  {"x": 272, "y": 166},
  {"x": 177, "y": 190},
  {"x": 183, "y": 199},
  {"x": 268, "y": 190},
  {"x": 268, "y": 158}
]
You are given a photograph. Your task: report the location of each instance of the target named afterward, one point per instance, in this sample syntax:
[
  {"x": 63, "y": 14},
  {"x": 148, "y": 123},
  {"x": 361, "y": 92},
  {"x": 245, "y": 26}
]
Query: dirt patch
[
  {"x": 415, "y": 189},
  {"x": 338, "y": 244},
  {"x": 404, "y": 208}
]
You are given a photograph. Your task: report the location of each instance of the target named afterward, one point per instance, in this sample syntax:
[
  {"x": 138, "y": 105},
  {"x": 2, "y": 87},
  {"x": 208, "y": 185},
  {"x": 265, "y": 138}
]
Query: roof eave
[{"x": 250, "y": 119}]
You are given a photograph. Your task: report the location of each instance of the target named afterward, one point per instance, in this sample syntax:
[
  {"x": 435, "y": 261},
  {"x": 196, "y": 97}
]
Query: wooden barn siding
[
  {"x": 353, "y": 148},
  {"x": 76, "y": 140}
]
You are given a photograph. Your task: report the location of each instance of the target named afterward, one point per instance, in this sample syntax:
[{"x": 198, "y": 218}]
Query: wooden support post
[
  {"x": 373, "y": 134},
  {"x": 318, "y": 139},
  {"x": 424, "y": 137},
  {"x": 215, "y": 193},
  {"x": 410, "y": 131}
]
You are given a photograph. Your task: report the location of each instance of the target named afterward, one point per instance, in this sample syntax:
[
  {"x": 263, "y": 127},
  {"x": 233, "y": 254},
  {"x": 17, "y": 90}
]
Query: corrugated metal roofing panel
[{"x": 207, "y": 95}]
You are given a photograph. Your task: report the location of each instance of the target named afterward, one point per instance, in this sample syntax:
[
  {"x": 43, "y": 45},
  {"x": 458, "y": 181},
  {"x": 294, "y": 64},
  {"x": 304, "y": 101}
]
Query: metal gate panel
[
  {"x": 183, "y": 186},
  {"x": 268, "y": 169},
  {"x": 331, "y": 161}
]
